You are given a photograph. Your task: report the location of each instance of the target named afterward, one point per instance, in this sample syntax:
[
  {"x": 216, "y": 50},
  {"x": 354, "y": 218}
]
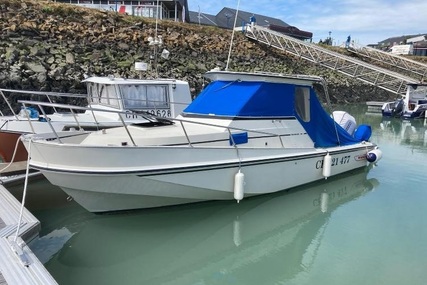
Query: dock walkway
[
  {"x": 374, "y": 106},
  {"x": 18, "y": 264}
]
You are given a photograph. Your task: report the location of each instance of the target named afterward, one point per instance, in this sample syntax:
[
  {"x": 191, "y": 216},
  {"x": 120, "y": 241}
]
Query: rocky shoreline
[{"x": 51, "y": 47}]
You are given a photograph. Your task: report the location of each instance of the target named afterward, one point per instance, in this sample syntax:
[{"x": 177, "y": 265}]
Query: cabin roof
[
  {"x": 250, "y": 94},
  {"x": 263, "y": 76},
  {"x": 125, "y": 81}
]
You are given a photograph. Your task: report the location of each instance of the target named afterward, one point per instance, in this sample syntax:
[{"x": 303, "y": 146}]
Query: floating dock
[
  {"x": 18, "y": 264},
  {"x": 374, "y": 106},
  {"x": 14, "y": 168}
]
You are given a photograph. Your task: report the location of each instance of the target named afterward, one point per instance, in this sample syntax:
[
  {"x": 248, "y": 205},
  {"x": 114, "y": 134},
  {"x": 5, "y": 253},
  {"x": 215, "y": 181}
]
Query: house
[
  {"x": 178, "y": 10},
  {"x": 418, "y": 44},
  {"x": 227, "y": 16},
  {"x": 168, "y": 9}
]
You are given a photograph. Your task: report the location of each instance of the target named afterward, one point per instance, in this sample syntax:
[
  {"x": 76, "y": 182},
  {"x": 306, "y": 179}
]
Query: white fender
[
  {"x": 327, "y": 165},
  {"x": 239, "y": 183},
  {"x": 374, "y": 155}
]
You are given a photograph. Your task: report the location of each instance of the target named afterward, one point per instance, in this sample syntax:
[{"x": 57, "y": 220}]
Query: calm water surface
[{"x": 365, "y": 227}]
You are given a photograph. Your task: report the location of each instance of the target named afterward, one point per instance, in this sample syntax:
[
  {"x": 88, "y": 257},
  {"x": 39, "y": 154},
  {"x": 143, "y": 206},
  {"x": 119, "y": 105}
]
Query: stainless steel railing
[
  {"x": 146, "y": 116},
  {"x": 156, "y": 105},
  {"x": 48, "y": 95}
]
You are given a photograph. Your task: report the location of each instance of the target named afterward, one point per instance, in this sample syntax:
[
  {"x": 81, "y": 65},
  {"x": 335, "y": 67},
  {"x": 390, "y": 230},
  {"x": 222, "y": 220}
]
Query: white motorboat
[
  {"x": 411, "y": 106},
  {"x": 245, "y": 134},
  {"x": 160, "y": 97}
]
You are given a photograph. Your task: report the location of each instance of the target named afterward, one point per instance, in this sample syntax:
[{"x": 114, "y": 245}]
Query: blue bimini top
[{"x": 261, "y": 99}]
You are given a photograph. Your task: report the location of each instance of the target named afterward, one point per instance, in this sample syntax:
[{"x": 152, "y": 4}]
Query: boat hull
[
  {"x": 420, "y": 113},
  {"x": 11, "y": 132},
  {"x": 8, "y": 141},
  {"x": 146, "y": 177}
]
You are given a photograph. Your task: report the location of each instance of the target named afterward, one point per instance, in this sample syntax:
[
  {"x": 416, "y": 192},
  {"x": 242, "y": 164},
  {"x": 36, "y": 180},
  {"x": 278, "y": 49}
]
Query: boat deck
[{"x": 18, "y": 264}]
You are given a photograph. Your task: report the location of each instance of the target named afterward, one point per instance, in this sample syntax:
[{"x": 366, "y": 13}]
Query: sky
[{"x": 366, "y": 21}]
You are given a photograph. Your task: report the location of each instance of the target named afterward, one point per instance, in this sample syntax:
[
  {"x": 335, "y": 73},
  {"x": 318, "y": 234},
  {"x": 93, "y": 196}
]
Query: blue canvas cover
[
  {"x": 244, "y": 99},
  {"x": 265, "y": 100},
  {"x": 322, "y": 129}
]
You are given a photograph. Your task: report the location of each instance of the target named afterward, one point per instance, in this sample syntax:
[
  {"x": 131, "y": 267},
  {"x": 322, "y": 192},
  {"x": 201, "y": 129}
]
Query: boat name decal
[{"x": 360, "y": 157}]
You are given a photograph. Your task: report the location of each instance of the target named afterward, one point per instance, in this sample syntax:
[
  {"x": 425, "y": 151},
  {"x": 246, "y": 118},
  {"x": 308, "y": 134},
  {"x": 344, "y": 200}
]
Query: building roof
[
  {"x": 202, "y": 18},
  {"x": 397, "y": 40},
  {"x": 418, "y": 38},
  {"x": 225, "y": 18}
]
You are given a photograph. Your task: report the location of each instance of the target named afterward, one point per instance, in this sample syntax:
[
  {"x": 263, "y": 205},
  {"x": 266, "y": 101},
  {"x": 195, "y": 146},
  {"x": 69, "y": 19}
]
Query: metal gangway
[
  {"x": 385, "y": 79},
  {"x": 408, "y": 66}
]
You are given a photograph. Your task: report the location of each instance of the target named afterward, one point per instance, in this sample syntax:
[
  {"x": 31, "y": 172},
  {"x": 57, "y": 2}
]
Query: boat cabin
[
  {"x": 416, "y": 94},
  {"x": 291, "y": 101},
  {"x": 159, "y": 97}
]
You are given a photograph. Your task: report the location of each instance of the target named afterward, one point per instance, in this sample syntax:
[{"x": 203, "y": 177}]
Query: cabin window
[
  {"x": 93, "y": 90},
  {"x": 302, "y": 103},
  {"x": 157, "y": 96},
  {"x": 145, "y": 96},
  {"x": 107, "y": 96}
]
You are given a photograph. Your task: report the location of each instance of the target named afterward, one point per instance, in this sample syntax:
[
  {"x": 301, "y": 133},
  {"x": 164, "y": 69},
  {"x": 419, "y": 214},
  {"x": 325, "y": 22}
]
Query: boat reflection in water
[
  {"x": 262, "y": 240},
  {"x": 410, "y": 132}
]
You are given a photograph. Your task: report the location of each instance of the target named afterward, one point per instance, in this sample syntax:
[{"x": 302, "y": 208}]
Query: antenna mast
[{"x": 232, "y": 35}]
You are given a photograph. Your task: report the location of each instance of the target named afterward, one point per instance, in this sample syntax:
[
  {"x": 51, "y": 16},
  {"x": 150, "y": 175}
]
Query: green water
[{"x": 364, "y": 227}]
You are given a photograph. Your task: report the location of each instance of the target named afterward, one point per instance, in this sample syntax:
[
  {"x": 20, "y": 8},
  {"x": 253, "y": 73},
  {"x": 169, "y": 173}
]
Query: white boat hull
[{"x": 146, "y": 177}]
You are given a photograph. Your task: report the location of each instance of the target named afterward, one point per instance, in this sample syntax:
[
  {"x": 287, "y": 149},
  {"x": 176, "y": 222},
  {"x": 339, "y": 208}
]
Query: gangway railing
[
  {"x": 370, "y": 74},
  {"x": 410, "y": 67}
]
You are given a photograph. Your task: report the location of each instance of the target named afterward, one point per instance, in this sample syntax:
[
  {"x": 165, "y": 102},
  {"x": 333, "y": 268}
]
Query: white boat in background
[
  {"x": 245, "y": 134},
  {"x": 159, "y": 97},
  {"x": 411, "y": 106}
]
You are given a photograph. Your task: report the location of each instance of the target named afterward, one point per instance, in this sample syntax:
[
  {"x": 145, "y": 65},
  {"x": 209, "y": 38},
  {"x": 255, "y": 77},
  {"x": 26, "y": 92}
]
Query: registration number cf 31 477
[{"x": 335, "y": 161}]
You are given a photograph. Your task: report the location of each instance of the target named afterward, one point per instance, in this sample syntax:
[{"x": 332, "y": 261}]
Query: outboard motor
[
  {"x": 397, "y": 109},
  {"x": 345, "y": 120}
]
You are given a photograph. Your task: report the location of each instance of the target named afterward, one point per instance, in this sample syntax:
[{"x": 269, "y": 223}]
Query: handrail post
[
  {"x": 186, "y": 135},
  {"x": 237, "y": 149},
  {"x": 127, "y": 130},
  {"x": 48, "y": 121},
  {"x": 281, "y": 141},
  {"x": 29, "y": 120},
  {"x": 75, "y": 118},
  {"x": 8, "y": 104},
  {"x": 94, "y": 118},
  {"x": 48, "y": 98}
]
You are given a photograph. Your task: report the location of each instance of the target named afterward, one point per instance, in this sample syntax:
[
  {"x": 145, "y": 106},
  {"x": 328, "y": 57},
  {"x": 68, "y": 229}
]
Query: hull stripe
[{"x": 177, "y": 170}]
